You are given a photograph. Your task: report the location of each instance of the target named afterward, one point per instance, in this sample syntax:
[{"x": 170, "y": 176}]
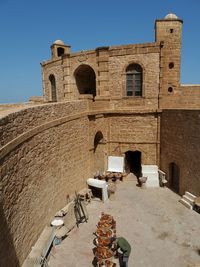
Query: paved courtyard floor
[{"x": 161, "y": 231}]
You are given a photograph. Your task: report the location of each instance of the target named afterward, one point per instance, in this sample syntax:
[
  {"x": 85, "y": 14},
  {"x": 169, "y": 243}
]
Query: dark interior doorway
[
  {"x": 174, "y": 177},
  {"x": 133, "y": 162},
  {"x": 85, "y": 80}
]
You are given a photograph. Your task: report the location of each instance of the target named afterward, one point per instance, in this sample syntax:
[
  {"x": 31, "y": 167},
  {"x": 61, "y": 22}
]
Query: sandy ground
[{"x": 161, "y": 231}]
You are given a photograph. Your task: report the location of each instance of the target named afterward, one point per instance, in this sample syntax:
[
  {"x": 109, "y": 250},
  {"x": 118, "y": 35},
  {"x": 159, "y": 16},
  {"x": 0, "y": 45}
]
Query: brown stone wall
[
  {"x": 187, "y": 97},
  {"x": 180, "y": 131},
  {"x": 36, "y": 177},
  {"x": 135, "y": 132},
  {"x": 26, "y": 119},
  {"x": 98, "y": 155}
]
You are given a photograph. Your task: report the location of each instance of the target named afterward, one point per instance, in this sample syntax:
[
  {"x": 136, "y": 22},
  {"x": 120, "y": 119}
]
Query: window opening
[
  {"x": 134, "y": 80},
  {"x": 170, "y": 89},
  {"x": 53, "y": 88},
  {"x": 60, "y": 51}
]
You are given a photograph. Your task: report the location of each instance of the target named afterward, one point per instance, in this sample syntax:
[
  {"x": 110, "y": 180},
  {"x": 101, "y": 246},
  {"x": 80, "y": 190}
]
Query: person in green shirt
[{"x": 125, "y": 247}]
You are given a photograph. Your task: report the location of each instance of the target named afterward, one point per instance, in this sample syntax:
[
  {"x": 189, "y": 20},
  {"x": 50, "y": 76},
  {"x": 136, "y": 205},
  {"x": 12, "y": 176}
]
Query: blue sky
[{"x": 28, "y": 28}]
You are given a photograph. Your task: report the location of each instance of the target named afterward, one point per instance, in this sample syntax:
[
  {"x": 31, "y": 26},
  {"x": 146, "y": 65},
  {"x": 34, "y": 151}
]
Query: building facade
[
  {"x": 118, "y": 100},
  {"x": 130, "y": 86}
]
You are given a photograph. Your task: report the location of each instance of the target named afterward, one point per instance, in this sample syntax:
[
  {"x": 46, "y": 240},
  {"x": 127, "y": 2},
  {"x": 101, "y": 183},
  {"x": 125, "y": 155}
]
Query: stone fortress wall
[
  {"x": 38, "y": 170},
  {"x": 49, "y": 148},
  {"x": 48, "y": 153},
  {"x": 180, "y": 149}
]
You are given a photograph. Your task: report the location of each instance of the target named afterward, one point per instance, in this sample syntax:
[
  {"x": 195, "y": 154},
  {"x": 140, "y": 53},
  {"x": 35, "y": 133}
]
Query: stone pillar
[
  {"x": 103, "y": 77},
  {"x": 67, "y": 90}
]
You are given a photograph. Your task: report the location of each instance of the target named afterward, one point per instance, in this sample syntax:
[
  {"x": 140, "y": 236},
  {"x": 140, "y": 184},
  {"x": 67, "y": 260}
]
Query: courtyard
[{"x": 161, "y": 231}]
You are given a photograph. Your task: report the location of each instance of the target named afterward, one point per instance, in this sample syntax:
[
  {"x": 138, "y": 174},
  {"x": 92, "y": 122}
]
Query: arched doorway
[
  {"x": 53, "y": 88},
  {"x": 98, "y": 153},
  {"x": 174, "y": 177},
  {"x": 85, "y": 80},
  {"x": 133, "y": 162}
]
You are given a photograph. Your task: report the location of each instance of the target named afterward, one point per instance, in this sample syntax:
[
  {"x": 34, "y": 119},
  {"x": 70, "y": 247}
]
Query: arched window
[
  {"x": 134, "y": 80},
  {"x": 53, "y": 88}
]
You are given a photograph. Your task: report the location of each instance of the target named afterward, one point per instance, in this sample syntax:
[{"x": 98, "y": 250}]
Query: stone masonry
[{"x": 50, "y": 146}]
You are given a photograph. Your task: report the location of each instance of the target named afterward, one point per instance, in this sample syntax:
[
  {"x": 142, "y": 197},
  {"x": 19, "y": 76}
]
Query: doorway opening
[
  {"x": 133, "y": 162},
  {"x": 174, "y": 177},
  {"x": 85, "y": 80}
]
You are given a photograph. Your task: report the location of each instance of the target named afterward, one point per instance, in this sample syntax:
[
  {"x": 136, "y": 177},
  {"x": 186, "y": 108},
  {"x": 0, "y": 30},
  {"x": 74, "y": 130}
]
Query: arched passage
[
  {"x": 174, "y": 177},
  {"x": 53, "y": 88},
  {"x": 133, "y": 162},
  {"x": 85, "y": 80},
  {"x": 99, "y": 152}
]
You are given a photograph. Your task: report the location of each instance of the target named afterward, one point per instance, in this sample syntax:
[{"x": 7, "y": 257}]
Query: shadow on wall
[{"x": 8, "y": 255}]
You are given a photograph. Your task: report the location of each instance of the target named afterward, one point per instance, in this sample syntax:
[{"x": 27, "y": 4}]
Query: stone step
[
  {"x": 188, "y": 199},
  {"x": 185, "y": 203},
  {"x": 191, "y": 196},
  {"x": 152, "y": 182}
]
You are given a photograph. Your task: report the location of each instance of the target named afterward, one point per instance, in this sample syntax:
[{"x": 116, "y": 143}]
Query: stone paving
[{"x": 161, "y": 231}]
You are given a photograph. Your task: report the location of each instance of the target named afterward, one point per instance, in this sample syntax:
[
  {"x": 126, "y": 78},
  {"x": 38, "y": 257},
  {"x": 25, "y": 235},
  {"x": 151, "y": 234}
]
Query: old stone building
[{"x": 118, "y": 100}]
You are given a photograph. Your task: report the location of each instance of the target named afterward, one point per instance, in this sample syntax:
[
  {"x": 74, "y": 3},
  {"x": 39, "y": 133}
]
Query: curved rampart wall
[
  {"x": 44, "y": 159},
  {"x": 15, "y": 124},
  {"x": 48, "y": 152}
]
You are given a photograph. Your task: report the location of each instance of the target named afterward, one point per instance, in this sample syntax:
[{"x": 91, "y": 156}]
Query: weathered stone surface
[
  {"x": 49, "y": 150},
  {"x": 180, "y": 131}
]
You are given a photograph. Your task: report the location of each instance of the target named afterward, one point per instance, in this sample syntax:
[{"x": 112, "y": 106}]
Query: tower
[
  {"x": 168, "y": 34},
  {"x": 59, "y": 49}
]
